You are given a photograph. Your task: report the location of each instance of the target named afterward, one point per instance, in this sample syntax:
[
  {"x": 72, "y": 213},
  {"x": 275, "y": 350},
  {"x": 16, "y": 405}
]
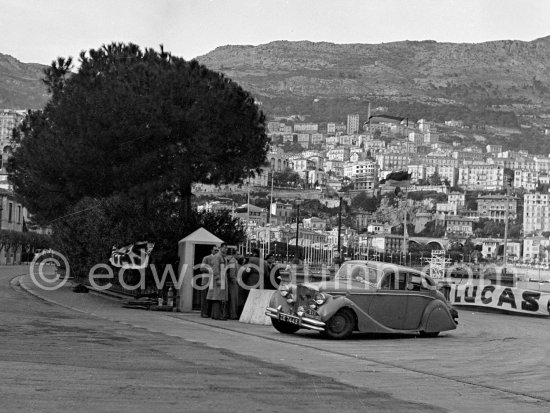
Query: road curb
[{"x": 30, "y": 291}]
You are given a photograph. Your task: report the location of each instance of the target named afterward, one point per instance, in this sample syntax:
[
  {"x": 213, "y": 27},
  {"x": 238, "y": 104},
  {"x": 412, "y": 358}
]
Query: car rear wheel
[
  {"x": 340, "y": 325},
  {"x": 283, "y": 327},
  {"x": 429, "y": 334}
]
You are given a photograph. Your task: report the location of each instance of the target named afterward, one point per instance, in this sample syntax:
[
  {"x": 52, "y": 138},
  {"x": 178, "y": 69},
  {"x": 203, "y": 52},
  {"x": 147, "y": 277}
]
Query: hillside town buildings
[{"x": 356, "y": 155}]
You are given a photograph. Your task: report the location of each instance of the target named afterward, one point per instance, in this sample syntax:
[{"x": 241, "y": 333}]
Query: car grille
[{"x": 304, "y": 297}]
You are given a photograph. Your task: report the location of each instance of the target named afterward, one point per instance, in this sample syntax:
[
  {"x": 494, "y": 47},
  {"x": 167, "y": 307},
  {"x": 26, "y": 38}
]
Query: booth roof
[{"x": 201, "y": 236}]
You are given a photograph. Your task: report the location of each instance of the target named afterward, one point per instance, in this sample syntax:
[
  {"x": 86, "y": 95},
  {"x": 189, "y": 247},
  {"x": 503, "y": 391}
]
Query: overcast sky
[{"x": 38, "y": 31}]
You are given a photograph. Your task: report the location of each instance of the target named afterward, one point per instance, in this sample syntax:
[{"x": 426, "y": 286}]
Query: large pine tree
[{"x": 137, "y": 122}]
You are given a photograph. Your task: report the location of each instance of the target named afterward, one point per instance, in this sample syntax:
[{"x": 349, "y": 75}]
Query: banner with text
[{"x": 502, "y": 298}]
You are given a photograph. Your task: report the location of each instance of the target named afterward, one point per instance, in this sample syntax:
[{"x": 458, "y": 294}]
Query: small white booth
[{"x": 191, "y": 250}]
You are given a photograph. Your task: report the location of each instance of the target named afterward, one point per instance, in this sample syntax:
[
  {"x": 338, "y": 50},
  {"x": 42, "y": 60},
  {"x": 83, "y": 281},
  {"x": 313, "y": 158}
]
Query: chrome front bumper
[{"x": 305, "y": 322}]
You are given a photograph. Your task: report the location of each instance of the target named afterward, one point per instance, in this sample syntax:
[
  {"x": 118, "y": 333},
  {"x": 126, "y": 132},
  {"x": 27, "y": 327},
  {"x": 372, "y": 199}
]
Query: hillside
[
  {"x": 492, "y": 83},
  {"x": 20, "y": 84},
  {"x": 311, "y": 78}
]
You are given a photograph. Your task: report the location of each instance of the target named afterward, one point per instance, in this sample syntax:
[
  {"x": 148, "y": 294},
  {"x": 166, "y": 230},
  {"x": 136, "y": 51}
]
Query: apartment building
[
  {"x": 536, "y": 248},
  {"x": 417, "y": 171},
  {"x": 313, "y": 177},
  {"x": 12, "y": 213},
  {"x": 283, "y": 212},
  {"x": 9, "y": 119},
  {"x": 338, "y": 154},
  {"x": 353, "y": 124},
  {"x": 317, "y": 139},
  {"x": 274, "y": 127},
  {"x": 365, "y": 176},
  {"x": 526, "y": 179},
  {"x": 288, "y": 137},
  {"x": 426, "y": 126},
  {"x": 277, "y": 159},
  {"x": 494, "y": 207},
  {"x": 336, "y": 167},
  {"x": 536, "y": 213},
  {"x": 468, "y": 156},
  {"x": 457, "y": 198},
  {"x": 302, "y": 164},
  {"x": 374, "y": 146},
  {"x": 480, "y": 176},
  {"x": 393, "y": 161},
  {"x": 251, "y": 214},
  {"x": 440, "y": 158},
  {"x": 459, "y": 225},
  {"x": 431, "y": 137},
  {"x": 494, "y": 148},
  {"x": 304, "y": 139},
  {"x": 542, "y": 164},
  {"x": 449, "y": 173},
  {"x": 416, "y": 137},
  {"x": 306, "y": 127},
  {"x": 315, "y": 223}
]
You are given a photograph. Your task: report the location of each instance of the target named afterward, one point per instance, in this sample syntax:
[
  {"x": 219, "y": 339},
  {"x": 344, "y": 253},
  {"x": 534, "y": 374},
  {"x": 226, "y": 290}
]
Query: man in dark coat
[{"x": 253, "y": 276}]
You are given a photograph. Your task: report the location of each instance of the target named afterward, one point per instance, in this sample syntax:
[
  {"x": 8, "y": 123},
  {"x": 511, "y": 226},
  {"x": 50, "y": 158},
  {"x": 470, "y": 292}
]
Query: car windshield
[{"x": 358, "y": 272}]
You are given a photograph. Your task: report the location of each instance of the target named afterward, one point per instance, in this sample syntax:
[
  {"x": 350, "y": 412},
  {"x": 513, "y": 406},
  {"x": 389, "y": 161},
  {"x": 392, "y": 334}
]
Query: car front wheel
[
  {"x": 340, "y": 325},
  {"x": 283, "y": 327}
]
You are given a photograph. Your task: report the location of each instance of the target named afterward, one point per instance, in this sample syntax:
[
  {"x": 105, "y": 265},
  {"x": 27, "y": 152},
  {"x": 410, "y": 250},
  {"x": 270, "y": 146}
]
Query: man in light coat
[
  {"x": 217, "y": 290},
  {"x": 206, "y": 268}
]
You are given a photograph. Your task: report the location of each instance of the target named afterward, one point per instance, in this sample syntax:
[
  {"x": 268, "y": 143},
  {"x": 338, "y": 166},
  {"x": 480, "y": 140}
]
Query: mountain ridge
[
  {"x": 20, "y": 84},
  {"x": 501, "y": 72},
  {"x": 288, "y": 76}
]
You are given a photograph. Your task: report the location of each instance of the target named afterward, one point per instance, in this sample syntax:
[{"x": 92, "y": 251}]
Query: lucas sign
[{"x": 501, "y": 298}]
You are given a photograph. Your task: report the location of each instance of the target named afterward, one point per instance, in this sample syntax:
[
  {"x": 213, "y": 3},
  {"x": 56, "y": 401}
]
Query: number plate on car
[{"x": 289, "y": 319}]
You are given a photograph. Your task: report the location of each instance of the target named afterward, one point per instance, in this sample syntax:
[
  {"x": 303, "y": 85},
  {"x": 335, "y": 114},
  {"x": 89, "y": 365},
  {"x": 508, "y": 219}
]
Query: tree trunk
[{"x": 185, "y": 202}]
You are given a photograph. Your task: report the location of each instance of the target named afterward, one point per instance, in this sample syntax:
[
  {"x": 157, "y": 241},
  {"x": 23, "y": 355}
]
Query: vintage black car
[{"x": 364, "y": 296}]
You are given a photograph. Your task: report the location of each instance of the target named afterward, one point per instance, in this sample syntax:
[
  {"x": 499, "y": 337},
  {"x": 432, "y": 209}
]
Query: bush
[{"x": 86, "y": 238}]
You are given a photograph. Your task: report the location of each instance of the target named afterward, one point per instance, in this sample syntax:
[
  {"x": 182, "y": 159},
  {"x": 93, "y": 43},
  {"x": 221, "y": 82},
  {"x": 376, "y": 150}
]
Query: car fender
[
  {"x": 277, "y": 300},
  {"x": 437, "y": 318}
]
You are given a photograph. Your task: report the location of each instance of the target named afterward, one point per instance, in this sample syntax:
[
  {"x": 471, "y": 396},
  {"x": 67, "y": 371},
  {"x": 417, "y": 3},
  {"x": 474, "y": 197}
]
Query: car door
[
  {"x": 389, "y": 305},
  {"x": 418, "y": 298}
]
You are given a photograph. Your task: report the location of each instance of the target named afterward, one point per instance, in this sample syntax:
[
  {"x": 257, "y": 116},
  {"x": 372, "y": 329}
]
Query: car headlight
[
  {"x": 313, "y": 306},
  {"x": 290, "y": 299},
  {"x": 301, "y": 311},
  {"x": 320, "y": 298},
  {"x": 284, "y": 290}
]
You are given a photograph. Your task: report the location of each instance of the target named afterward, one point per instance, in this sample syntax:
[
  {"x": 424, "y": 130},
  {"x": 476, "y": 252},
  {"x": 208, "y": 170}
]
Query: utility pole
[
  {"x": 297, "y": 253},
  {"x": 506, "y": 217},
  {"x": 270, "y": 199},
  {"x": 405, "y": 232},
  {"x": 339, "y": 225}
]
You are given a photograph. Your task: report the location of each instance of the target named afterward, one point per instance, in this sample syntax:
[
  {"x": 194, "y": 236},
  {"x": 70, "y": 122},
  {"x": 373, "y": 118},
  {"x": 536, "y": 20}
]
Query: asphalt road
[
  {"x": 56, "y": 359},
  {"x": 169, "y": 361}
]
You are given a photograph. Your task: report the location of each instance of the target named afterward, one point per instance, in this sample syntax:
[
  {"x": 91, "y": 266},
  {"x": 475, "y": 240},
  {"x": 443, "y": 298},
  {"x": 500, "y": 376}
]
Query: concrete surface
[{"x": 492, "y": 362}]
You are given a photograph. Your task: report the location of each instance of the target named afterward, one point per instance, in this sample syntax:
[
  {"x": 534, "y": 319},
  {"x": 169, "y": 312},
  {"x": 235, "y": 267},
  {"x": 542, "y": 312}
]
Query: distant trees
[
  {"x": 363, "y": 202},
  {"x": 435, "y": 179},
  {"x": 286, "y": 178},
  {"x": 293, "y": 147},
  {"x": 432, "y": 229}
]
